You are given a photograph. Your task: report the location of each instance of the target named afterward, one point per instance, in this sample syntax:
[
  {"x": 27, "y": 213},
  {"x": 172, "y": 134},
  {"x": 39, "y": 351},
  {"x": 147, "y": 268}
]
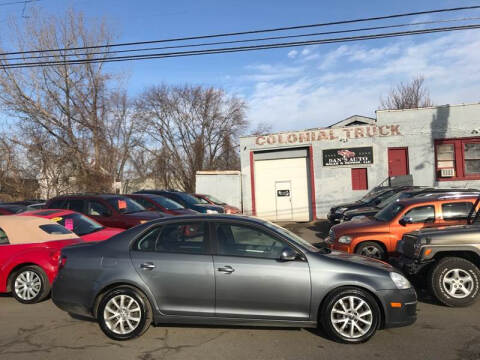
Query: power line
[
  {"x": 18, "y": 2},
  {"x": 245, "y": 40},
  {"x": 342, "y": 22},
  {"x": 241, "y": 49}
]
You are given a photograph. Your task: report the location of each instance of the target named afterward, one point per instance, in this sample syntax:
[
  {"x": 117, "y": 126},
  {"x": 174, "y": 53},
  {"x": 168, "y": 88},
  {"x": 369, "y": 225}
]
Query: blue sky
[{"x": 291, "y": 88}]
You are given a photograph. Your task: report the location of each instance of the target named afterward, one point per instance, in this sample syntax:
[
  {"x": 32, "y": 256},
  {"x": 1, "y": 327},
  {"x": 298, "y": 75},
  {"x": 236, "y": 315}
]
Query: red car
[
  {"x": 229, "y": 209},
  {"x": 118, "y": 211},
  {"x": 29, "y": 255},
  {"x": 9, "y": 209},
  {"x": 161, "y": 203},
  {"x": 88, "y": 229}
]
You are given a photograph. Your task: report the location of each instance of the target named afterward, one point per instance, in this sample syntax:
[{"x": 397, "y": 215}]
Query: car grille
[
  {"x": 406, "y": 246},
  {"x": 331, "y": 236}
]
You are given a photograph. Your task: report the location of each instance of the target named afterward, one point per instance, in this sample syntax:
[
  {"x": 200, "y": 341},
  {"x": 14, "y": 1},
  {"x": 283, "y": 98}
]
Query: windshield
[
  {"x": 78, "y": 223},
  {"x": 201, "y": 200},
  {"x": 167, "y": 203},
  {"x": 389, "y": 212},
  {"x": 215, "y": 200},
  {"x": 125, "y": 205},
  {"x": 390, "y": 199},
  {"x": 189, "y": 199},
  {"x": 292, "y": 236}
]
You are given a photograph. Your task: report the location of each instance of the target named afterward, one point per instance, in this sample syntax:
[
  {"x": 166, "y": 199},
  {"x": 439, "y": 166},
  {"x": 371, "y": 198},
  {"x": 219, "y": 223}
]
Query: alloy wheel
[
  {"x": 351, "y": 317},
  {"x": 122, "y": 314},
  {"x": 28, "y": 285},
  {"x": 458, "y": 283},
  {"x": 371, "y": 251}
]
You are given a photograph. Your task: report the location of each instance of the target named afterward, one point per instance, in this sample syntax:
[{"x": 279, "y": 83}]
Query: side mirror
[
  {"x": 405, "y": 220},
  {"x": 288, "y": 254}
]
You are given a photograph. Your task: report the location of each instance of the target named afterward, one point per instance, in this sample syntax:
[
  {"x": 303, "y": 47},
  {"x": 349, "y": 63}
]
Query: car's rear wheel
[
  {"x": 30, "y": 285},
  {"x": 350, "y": 315},
  {"x": 371, "y": 249},
  {"x": 455, "y": 282},
  {"x": 124, "y": 313}
]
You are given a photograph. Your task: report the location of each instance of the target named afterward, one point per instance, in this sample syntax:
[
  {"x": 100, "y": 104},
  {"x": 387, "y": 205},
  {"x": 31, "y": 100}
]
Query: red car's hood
[{"x": 104, "y": 234}]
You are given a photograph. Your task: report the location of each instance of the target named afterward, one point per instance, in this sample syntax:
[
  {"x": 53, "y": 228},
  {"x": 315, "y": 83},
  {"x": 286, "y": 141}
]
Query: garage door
[{"x": 282, "y": 189}]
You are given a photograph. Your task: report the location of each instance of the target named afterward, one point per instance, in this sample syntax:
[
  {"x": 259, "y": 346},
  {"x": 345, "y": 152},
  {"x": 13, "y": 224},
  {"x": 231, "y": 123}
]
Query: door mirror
[
  {"x": 288, "y": 254},
  {"x": 405, "y": 220}
]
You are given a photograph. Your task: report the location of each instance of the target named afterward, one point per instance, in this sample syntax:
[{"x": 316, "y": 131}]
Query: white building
[{"x": 299, "y": 175}]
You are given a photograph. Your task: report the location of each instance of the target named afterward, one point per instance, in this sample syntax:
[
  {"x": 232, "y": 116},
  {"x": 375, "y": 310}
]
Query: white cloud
[
  {"x": 292, "y": 54},
  {"x": 351, "y": 79}
]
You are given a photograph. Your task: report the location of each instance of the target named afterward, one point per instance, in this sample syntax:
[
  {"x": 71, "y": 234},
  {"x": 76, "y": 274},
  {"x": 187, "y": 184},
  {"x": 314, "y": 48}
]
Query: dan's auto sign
[{"x": 350, "y": 156}]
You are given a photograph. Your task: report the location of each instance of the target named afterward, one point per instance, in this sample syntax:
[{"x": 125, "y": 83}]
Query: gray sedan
[{"x": 228, "y": 270}]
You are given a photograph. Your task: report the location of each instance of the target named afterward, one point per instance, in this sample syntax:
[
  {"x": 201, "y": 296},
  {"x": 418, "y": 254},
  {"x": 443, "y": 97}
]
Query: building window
[
  {"x": 359, "y": 179},
  {"x": 458, "y": 159}
]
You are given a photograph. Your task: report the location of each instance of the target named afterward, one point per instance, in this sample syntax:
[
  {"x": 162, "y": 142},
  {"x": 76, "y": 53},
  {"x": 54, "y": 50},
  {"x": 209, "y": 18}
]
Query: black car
[
  {"x": 370, "y": 199},
  {"x": 187, "y": 200},
  {"x": 405, "y": 194}
]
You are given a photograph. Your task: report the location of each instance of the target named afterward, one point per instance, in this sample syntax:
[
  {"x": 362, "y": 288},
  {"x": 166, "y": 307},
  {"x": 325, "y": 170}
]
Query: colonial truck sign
[{"x": 335, "y": 134}]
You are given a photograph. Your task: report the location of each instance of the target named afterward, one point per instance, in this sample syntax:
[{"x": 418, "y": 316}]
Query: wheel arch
[
  {"x": 14, "y": 269},
  {"x": 464, "y": 254},
  {"x": 381, "y": 243},
  {"x": 102, "y": 292},
  {"x": 354, "y": 286}
]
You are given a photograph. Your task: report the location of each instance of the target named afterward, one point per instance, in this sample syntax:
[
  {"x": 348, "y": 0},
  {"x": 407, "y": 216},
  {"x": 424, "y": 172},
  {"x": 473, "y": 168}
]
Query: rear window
[
  {"x": 456, "y": 210},
  {"x": 3, "y": 237},
  {"x": 54, "y": 229}
]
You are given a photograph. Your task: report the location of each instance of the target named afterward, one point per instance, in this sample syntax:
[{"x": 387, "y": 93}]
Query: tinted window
[
  {"x": 54, "y": 229},
  {"x": 125, "y": 205},
  {"x": 421, "y": 214},
  {"x": 167, "y": 203},
  {"x": 79, "y": 224},
  {"x": 238, "y": 240},
  {"x": 456, "y": 211},
  {"x": 57, "y": 204},
  {"x": 189, "y": 199},
  {"x": 96, "y": 208},
  {"x": 215, "y": 200},
  {"x": 389, "y": 212},
  {"x": 3, "y": 238},
  {"x": 75, "y": 205},
  {"x": 145, "y": 203},
  {"x": 187, "y": 238}
]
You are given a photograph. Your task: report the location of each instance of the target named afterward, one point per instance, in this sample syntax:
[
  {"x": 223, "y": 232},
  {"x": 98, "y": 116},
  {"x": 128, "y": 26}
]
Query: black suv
[
  {"x": 372, "y": 198},
  {"x": 187, "y": 200},
  {"x": 447, "y": 258},
  {"x": 108, "y": 209},
  {"x": 414, "y": 191}
]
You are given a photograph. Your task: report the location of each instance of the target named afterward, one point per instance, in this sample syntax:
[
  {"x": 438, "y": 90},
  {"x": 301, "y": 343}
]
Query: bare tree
[
  {"x": 190, "y": 129},
  {"x": 407, "y": 96},
  {"x": 69, "y": 120}
]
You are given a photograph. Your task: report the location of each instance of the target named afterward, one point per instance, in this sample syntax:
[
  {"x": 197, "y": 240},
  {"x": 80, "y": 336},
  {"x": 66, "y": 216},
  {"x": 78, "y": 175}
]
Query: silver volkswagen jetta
[{"x": 228, "y": 270}]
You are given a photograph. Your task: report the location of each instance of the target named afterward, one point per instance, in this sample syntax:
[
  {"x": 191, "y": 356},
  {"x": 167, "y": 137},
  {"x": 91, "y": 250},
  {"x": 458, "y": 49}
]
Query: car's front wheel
[
  {"x": 371, "y": 249},
  {"x": 350, "y": 315},
  {"x": 124, "y": 313},
  {"x": 30, "y": 285},
  {"x": 455, "y": 282}
]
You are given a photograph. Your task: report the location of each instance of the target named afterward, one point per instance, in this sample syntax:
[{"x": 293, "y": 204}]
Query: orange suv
[{"x": 377, "y": 236}]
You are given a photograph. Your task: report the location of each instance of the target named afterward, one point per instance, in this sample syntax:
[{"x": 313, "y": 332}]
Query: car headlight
[
  {"x": 345, "y": 239},
  {"x": 143, "y": 221},
  {"x": 340, "y": 210},
  {"x": 212, "y": 211},
  {"x": 400, "y": 281}
]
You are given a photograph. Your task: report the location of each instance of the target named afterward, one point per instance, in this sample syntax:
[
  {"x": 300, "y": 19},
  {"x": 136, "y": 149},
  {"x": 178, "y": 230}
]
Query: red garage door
[{"x": 398, "y": 161}]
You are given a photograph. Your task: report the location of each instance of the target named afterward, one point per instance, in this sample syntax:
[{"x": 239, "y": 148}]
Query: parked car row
[{"x": 431, "y": 234}]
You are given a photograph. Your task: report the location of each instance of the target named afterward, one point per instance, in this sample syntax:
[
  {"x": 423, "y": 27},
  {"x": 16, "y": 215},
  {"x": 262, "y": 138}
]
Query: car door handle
[
  {"x": 147, "y": 266},
  {"x": 226, "y": 269}
]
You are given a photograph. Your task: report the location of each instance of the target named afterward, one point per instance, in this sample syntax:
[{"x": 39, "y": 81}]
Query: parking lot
[{"x": 44, "y": 332}]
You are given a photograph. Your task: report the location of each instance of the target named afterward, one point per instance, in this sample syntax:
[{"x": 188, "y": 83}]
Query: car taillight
[{"x": 62, "y": 261}]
